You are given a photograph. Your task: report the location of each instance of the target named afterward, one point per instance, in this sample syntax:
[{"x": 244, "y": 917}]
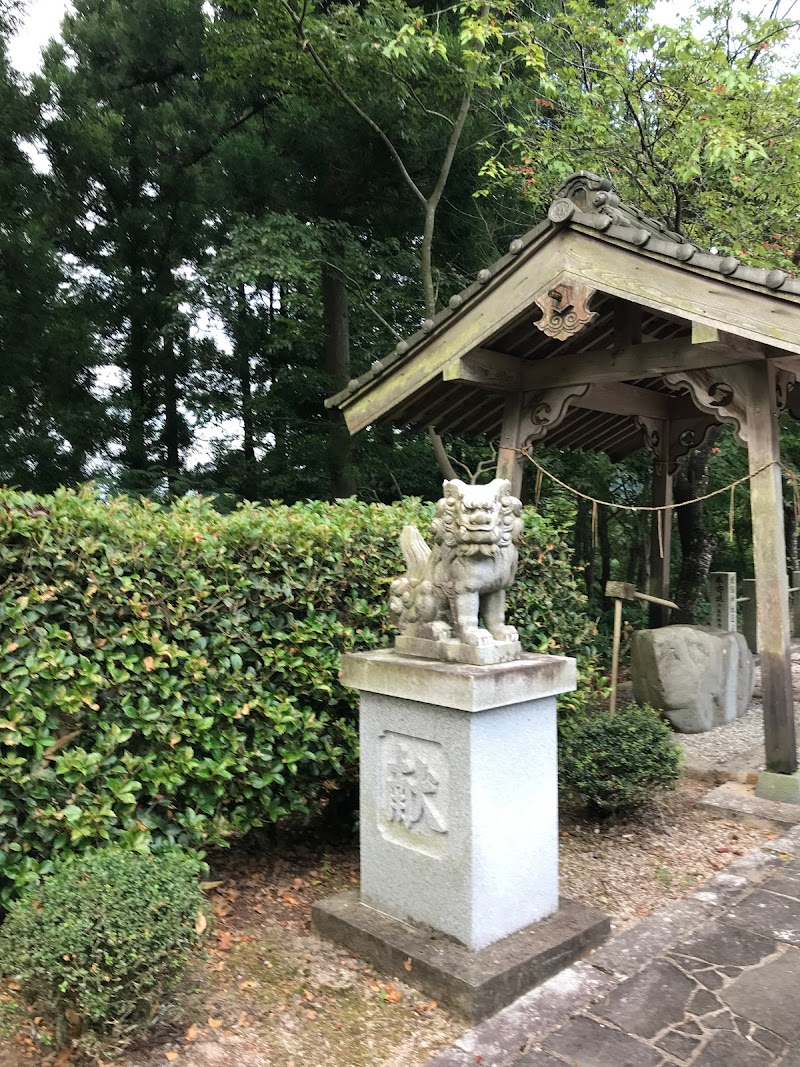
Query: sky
[{"x": 42, "y": 23}]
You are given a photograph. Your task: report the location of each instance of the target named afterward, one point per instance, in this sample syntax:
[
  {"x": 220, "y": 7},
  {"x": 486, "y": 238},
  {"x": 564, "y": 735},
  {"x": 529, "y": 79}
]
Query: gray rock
[{"x": 700, "y": 678}]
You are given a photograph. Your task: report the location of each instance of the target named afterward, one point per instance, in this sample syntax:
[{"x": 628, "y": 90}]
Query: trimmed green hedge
[
  {"x": 170, "y": 674},
  {"x": 101, "y": 945}
]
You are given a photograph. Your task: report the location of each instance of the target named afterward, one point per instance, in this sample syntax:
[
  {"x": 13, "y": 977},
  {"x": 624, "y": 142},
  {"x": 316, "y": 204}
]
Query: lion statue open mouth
[{"x": 450, "y": 590}]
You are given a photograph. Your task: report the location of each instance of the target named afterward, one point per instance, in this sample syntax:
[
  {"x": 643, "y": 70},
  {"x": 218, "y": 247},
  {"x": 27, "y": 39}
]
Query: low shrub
[
  {"x": 170, "y": 674},
  {"x": 619, "y": 762},
  {"x": 100, "y": 945}
]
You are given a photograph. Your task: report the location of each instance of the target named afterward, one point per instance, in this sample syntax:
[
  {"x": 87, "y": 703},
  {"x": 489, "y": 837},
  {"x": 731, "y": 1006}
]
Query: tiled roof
[{"x": 586, "y": 200}]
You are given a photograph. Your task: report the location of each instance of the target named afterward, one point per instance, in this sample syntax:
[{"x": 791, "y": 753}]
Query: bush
[
  {"x": 99, "y": 947},
  {"x": 170, "y": 674},
  {"x": 616, "y": 762}
]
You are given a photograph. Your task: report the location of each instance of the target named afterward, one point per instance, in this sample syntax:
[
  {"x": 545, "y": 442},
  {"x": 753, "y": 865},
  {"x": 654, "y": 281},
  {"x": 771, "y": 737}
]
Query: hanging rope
[{"x": 595, "y": 501}]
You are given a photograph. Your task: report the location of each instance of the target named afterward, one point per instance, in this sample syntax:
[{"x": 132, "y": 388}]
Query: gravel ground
[
  {"x": 735, "y": 740},
  {"x": 631, "y": 868}
]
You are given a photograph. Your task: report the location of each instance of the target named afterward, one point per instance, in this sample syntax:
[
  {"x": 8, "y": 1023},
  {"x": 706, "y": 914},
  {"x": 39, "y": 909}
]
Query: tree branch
[
  {"x": 445, "y": 465},
  {"x": 351, "y": 103}
]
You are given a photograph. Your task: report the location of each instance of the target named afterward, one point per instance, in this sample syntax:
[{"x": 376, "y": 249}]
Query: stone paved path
[{"x": 712, "y": 981}]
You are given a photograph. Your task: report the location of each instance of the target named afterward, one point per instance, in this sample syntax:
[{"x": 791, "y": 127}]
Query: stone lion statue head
[{"x": 477, "y": 519}]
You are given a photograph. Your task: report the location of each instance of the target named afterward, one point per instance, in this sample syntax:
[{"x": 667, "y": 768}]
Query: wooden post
[
  {"x": 509, "y": 461},
  {"x": 660, "y": 542},
  {"x": 769, "y": 556}
]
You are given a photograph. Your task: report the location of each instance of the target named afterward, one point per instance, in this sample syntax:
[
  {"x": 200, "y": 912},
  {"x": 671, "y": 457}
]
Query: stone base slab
[
  {"x": 782, "y": 788},
  {"x": 467, "y": 687},
  {"x": 450, "y": 650},
  {"x": 740, "y": 802},
  {"x": 475, "y": 984}
]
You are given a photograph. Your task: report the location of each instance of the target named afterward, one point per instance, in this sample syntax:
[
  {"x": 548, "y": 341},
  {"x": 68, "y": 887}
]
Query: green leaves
[
  {"x": 105, "y": 940},
  {"x": 617, "y": 762}
]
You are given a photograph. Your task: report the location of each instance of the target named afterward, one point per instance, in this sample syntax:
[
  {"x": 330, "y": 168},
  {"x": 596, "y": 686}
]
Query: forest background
[{"x": 213, "y": 215}]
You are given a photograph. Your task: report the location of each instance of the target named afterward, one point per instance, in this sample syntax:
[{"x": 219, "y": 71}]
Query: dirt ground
[{"x": 271, "y": 994}]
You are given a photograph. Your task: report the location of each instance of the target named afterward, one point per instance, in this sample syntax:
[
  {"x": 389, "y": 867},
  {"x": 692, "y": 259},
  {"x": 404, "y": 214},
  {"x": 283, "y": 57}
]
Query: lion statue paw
[
  {"x": 505, "y": 633},
  {"x": 477, "y": 636}
]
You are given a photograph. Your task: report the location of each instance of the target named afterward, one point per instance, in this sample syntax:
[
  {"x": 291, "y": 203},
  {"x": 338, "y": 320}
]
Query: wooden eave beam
[
  {"x": 620, "y": 399},
  {"x": 497, "y": 371},
  {"x": 634, "y": 361}
]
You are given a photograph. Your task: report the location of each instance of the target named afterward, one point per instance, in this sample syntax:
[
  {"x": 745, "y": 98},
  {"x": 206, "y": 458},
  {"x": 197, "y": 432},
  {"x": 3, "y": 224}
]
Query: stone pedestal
[{"x": 459, "y": 818}]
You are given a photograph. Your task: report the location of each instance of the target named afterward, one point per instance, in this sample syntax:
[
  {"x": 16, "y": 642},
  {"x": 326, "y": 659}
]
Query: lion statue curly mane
[{"x": 451, "y": 602}]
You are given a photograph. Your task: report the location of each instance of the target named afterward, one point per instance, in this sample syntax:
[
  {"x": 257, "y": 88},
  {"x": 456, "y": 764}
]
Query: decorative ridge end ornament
[
  {"x": 450, "y": 605},
  {"x": 565, "y": 309},
  {"x": 595, "y": 195}
]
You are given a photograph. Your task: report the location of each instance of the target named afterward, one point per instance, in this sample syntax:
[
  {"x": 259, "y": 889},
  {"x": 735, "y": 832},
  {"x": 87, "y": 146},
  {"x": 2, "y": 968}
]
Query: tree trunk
[
  {"x": 584, "y": 549},
  {"x": 697, "y": 543},
  {"x": 172, "y": 416},
  {"x": 242, "y": 338},
  {"x": 605, "y": 548},
  {"x": 790, "y": 526},
  {"x": 136, "y": 457},
  {"x": 336, "y": 324}
]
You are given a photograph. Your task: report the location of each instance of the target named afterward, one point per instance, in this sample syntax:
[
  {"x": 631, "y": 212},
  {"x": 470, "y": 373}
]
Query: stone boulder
[{"x": 699, "y": 677}]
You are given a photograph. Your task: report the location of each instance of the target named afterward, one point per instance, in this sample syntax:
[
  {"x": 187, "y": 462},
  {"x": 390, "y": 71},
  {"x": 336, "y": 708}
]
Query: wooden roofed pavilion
[{"x": 602, "y": 330}]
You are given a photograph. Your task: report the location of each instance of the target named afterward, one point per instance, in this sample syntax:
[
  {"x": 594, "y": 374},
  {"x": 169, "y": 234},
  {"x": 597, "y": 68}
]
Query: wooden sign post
[{"x": 624, "y": 591}]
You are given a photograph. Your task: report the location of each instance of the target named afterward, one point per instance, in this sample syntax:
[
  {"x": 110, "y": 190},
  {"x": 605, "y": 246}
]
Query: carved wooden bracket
[
  {"x": 550, "y": 408},
  {"x": 656, "y": 435},
  {"x": 785, "y": 390},
  {"x": 716, "y": 392},
  {"x": 669, "y": 440},
  {"x": 565, "y": 308}
]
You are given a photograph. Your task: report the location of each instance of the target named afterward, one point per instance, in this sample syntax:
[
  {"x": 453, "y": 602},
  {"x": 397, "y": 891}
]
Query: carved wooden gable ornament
[{"x": 565, "y": 308}]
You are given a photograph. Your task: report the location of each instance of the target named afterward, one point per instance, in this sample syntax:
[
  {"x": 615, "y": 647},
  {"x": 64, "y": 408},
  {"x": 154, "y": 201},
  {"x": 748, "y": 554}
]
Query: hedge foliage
[
  {"x": 100, "y": 946},
  {"x": 170, "y": 674},
  {"x": 617, "y": 762}
]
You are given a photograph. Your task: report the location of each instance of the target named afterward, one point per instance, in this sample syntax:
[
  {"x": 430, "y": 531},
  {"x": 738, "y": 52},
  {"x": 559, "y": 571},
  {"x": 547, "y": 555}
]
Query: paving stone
[
  {"x": 702, "y": 1003},
  {"x": 768, "y": 995},
  {"x": 629, "y": 952},
  {"x": 535, "y": 1014},
  {"x": 650, "y": 1001},
  {"x": 452, "y": 1057},
  {"x": 755, "y": 865},
  {"x": 723, "y": 1020},
  {"x": 681, "y": 1046},
  {"x": 784, "y": 884},
  {"x": 587, "y": 1043},
  {"x": 727, "y": 1049},
  {"x": 724, "y": 945},
  {"x": 686, "y": 963},
  {"x": 722, "y": 889},
  {"x": 690, "y": 1027},
  {"x": 739, "y": 800},
  {"x": 769, "y": 1040},
  {"x": 710, "y": 979},
  {"x": 768, "y": 913},
  {"x": 535, "y": 1058}
]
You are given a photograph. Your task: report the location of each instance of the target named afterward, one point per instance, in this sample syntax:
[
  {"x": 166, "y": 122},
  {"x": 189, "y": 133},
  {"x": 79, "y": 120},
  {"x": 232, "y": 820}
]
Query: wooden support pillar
[
  {"x": 769, "y": 555},
  {"x": 660, "y": 541},
  {"x": 509, "y": 461}
]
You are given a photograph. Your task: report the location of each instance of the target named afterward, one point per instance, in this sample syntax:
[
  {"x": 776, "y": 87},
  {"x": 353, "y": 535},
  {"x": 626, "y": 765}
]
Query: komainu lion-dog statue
[{"x": 451, "y": 603}]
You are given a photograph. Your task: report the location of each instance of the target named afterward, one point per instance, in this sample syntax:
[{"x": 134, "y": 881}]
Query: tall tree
[
  {"x": 51, "y": 422},
  {"x": 131, "y": 127}
]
